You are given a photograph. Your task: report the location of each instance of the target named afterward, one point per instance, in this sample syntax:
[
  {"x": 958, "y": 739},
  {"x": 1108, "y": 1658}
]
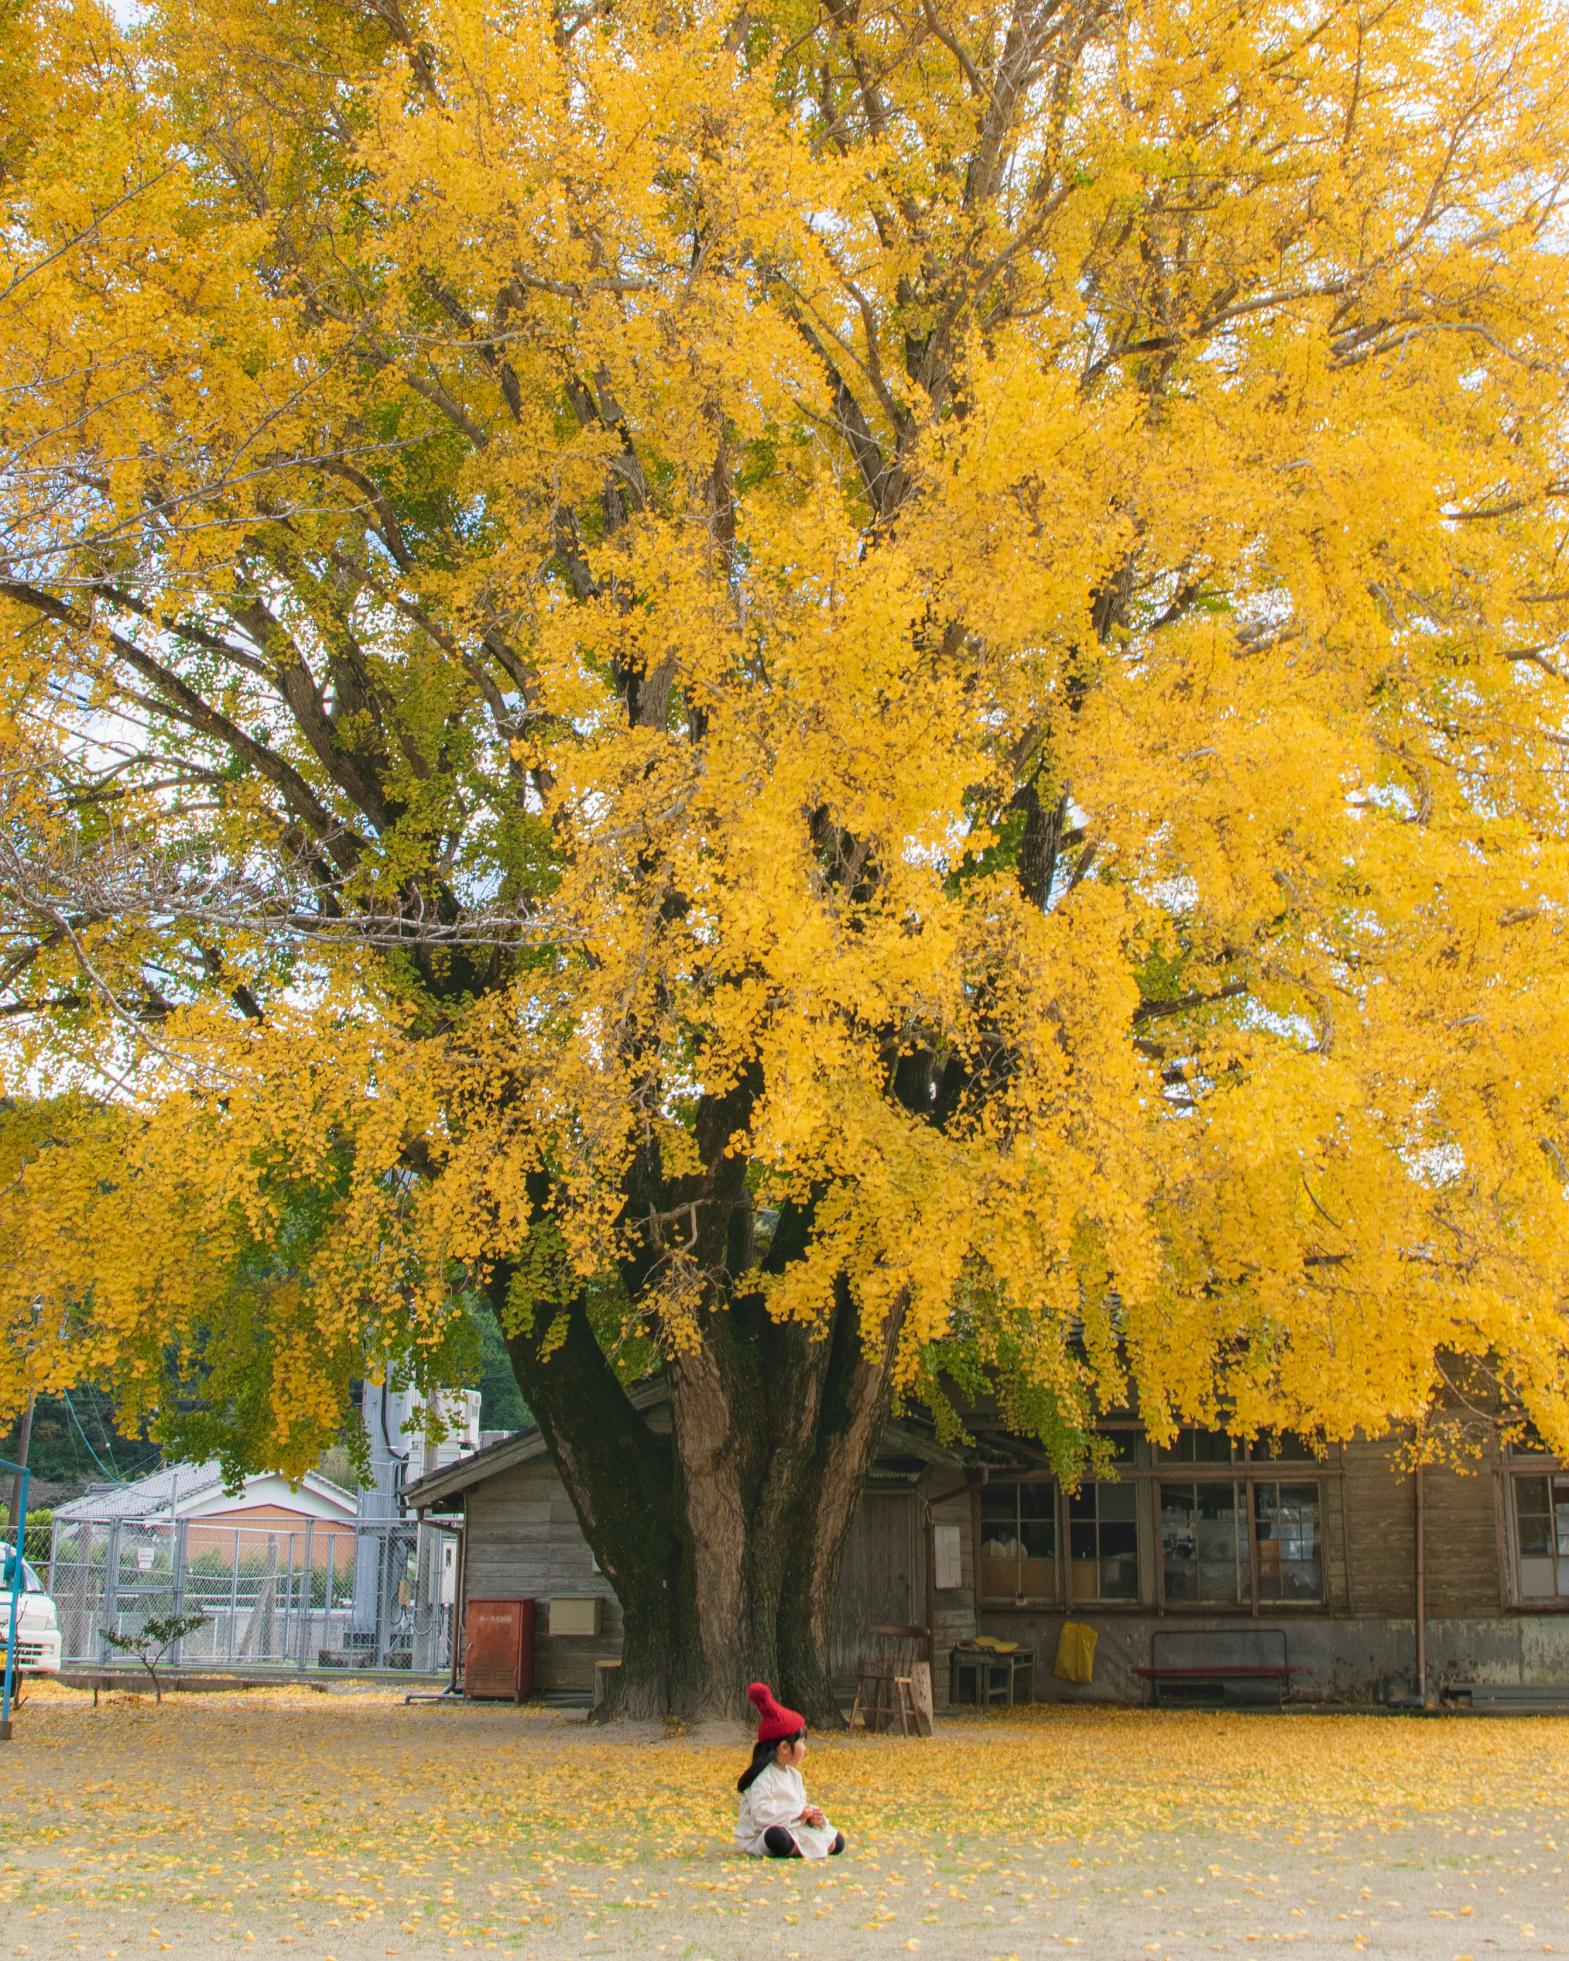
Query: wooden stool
[{"x": 894, "y": 1685}]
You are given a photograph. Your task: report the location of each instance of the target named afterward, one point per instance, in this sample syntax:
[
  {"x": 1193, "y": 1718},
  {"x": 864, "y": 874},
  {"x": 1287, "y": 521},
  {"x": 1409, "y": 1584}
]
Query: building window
[
  {"x": 1103, "y": 1542},
  {"x": 1542, "y": 1536},
  {"x": 1201, "y": 1447},
  {"x": 1209, "y": 1447},
  {"x": 1204, "y": 1534},
  {"x": 1203, "y": 1541},
  {"x": 1019, "y": 1541},
  {"x": 1290, "y": 1547},
  {"x": 1273, "y": 1445}
]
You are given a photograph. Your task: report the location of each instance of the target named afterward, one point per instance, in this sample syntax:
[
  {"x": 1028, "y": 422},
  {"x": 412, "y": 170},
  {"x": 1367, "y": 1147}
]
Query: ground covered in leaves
[{"x": 344, "y": 1824}]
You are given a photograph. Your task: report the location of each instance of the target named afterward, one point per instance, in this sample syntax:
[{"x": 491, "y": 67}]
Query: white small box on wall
[{"x": 947, "y": 1570}]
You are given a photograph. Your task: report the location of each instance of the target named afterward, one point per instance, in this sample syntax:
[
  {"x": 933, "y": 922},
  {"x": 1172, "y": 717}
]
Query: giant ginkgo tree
[{"x": 832, "y": 692}]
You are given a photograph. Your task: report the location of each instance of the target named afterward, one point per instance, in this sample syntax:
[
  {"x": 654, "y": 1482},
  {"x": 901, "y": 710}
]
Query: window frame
[
  {"x": 1017, "y": 1483},
  {"x": 1517, "y": 1466},
  {"x": 1319, "y": 1603},
  {"x": 1242, "y": 1527},
  {"x": 1245, "y": 1480},
  {"x": 1144, "y": 1471},
  {"x": 1133, "y": 1485}
]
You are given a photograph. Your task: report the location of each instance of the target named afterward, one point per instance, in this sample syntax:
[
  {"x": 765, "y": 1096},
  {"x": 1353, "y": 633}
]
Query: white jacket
[{"x": 778, "y": 1797}]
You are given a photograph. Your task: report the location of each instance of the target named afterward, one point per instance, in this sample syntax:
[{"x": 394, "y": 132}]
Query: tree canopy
[{"x": 891, "y": 670}]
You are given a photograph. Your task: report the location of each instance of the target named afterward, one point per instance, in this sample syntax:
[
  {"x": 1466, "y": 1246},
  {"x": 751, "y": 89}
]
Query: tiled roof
[{"x": 157, "y": 1493}]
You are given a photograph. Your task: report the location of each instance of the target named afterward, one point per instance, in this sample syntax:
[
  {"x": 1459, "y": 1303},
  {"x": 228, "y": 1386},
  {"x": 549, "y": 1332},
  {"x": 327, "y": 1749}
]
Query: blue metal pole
[{"x": 18, "y": 1541}]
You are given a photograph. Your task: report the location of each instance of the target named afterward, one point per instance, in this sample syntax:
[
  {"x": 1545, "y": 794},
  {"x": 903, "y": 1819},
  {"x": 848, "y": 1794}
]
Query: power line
[
  {"x": 104, "y": 1431},
  {"x": 70, "y": 1407}
]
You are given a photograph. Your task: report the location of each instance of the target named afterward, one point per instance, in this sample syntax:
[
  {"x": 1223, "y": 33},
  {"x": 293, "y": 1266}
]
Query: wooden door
[{"x": 884, "y": 1577}]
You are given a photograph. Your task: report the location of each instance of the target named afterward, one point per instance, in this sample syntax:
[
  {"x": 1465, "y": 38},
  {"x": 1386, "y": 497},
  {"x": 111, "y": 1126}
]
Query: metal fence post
[
  {"x": 18, "y": 1531},
  {"x": 383, "y": 1592},
  {"x": 307, "y": 1588},
  {"x": 234, "y": 1596},
  {"x": 177, "y": 1551},
  {"x": 109, "y": 1603}
]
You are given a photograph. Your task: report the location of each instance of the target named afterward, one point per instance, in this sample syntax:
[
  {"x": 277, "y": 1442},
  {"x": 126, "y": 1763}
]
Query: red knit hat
[{"x": 774, "y": 1721}]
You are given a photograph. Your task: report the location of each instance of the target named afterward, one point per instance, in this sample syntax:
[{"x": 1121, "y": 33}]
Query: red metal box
[{"x": 498, "y": 1650}]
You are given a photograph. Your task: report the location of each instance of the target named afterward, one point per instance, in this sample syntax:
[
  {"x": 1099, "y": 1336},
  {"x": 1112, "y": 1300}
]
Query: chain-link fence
[{"x": 370, "y": 1594}]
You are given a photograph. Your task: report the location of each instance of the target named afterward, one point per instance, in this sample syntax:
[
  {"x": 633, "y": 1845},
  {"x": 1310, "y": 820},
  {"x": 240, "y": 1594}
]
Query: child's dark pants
[{"x": 782, "y": 1846}]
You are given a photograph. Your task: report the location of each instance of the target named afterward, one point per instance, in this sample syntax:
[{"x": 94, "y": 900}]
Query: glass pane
[
  {"x": 1081, "y": 1539},
  {"x": 1536, "y": 1579},
  {"x": 1118, "y": 1500},
  {"x": 1217, "y": 1501},
  {"x": 1536, "y": 1538},
  {"x": 999, "y": 1523},
  {"x": 1124, "y": 1445},
  {"x": 1217, "y": 1539},
  {"x": 1198, "y": 1447},
  {"x": 1038, "y": 1579},
  {"x": 1118, "y": 1539},
  {"x": 1531, "y": 1495},
  {"x": 1563, "y": 1579},
  {"x": 1276, "y": 1444},
  {"x": 1301, "y": 1580},
  {"x": 1038, "y": 1501},
  {"x": 1179, "y": 1579},
  {"x": 1081, "y": 1503},
  {"x": 1218, "y": 1580},
  {"x": 1286, "y": 1528},
  {"x": 1040, "y": 1538},
  {"x": 1119, "y": 1579}
]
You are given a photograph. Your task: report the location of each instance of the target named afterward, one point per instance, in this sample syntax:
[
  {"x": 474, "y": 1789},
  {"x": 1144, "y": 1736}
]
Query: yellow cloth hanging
[{"x": 1075, "y": 1653}]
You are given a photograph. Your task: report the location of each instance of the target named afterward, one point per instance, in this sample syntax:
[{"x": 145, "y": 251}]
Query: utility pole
[{"x": 16, "y": 1482}]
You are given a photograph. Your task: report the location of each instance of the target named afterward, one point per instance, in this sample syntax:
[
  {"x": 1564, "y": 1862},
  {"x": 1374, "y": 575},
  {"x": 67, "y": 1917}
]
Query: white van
[{"x": 37, "y": 1621}]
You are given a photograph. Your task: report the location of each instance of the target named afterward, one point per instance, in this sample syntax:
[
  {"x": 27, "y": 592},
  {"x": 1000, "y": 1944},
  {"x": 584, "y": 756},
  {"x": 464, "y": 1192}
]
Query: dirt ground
[{"x": 344, "y": 1826}]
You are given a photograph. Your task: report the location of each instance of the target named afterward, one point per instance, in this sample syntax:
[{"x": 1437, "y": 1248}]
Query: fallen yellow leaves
[{"x": 347, "y": 1827}]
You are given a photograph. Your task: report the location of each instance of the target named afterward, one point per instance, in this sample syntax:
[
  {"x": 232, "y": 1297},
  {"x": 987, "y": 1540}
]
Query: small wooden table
[{"x": 996, "y": 1677}]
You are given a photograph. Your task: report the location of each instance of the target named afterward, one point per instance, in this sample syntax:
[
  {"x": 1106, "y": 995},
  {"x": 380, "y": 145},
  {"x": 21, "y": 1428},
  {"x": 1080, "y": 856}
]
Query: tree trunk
[{"x": 722, "y": 1538}]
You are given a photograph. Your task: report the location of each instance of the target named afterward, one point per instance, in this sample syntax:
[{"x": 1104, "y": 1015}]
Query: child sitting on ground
[{"x": 776, "y": 1821}]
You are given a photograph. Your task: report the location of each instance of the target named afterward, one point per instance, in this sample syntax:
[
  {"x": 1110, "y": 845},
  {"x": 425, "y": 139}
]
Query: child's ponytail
[{"x": 762, "y": 1757}]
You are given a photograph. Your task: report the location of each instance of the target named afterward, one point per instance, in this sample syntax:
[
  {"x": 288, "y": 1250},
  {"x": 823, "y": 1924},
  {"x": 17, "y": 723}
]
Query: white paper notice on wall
[{"x": 945, "y": 1557}]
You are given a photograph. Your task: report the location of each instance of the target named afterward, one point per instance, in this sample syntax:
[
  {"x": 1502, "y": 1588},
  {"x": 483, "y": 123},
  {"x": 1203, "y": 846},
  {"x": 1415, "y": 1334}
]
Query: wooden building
[
  {"x": 1371, "y": 1570},
  {"x": 521, "y": 1539}
]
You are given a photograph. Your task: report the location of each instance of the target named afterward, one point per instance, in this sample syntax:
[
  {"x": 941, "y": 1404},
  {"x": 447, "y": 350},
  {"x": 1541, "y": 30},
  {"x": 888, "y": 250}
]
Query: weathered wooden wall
[
  {"x": 888, "y": 1581},
  {"x": 953, "y": 1610},
  {"x": 883, "y": 1581},
  {"x": 1380, "y": 1525},
  {"x": 523, "y": 1541}
]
